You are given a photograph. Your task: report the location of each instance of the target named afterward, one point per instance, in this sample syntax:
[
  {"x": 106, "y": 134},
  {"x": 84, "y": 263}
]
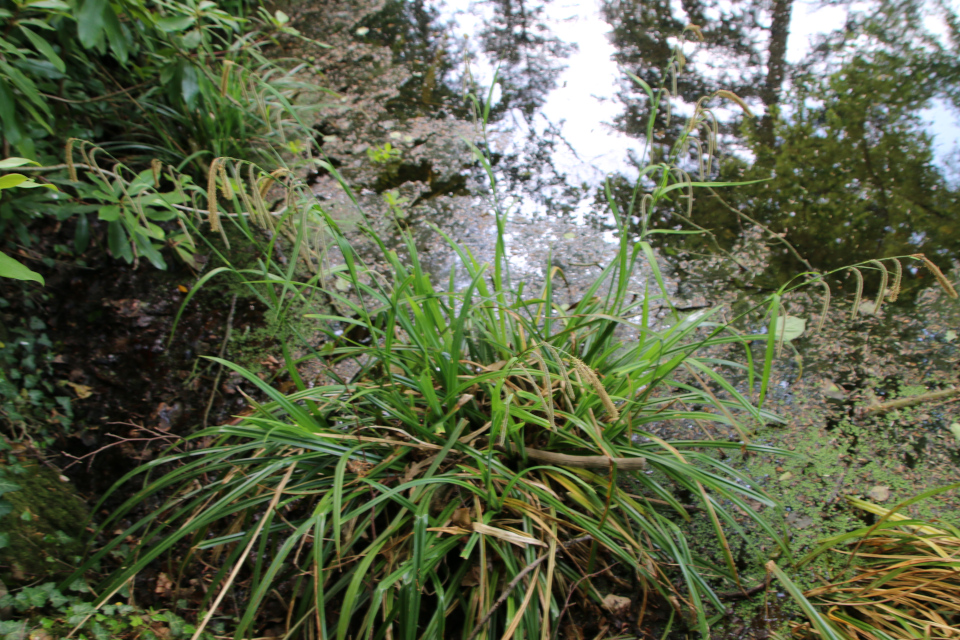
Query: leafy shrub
[
  {"x": 175, "y": 82},
  {"x": 487, "y": 455},
  {"x": 45, "y": 612},
  {"x": 490, "y": 441},
  {"x": 31, "y": 403},
  {"x": 177, "y": 67}
]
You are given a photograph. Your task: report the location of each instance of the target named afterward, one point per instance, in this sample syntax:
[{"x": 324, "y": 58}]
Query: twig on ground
[
  {"x": 899, "y": 403},
  {"x": 120, "y": 440},
  {"x": 585, "y": 462}
]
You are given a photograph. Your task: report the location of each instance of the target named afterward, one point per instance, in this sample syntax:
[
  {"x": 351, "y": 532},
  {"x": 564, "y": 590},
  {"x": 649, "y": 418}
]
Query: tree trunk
[{"x": 776, "y": 67}]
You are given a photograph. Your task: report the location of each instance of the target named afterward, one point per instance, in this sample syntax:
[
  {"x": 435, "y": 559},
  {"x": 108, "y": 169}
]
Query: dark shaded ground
[{"x": 109, "y": 324}]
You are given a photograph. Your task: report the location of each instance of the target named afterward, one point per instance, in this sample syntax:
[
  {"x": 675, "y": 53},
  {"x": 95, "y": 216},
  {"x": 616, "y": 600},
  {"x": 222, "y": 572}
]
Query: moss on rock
[{"x": 42, "y": 522}]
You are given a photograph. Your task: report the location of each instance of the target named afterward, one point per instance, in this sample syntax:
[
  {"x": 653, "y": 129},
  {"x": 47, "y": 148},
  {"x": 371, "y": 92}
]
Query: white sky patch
[
  {"x": 585, "y": 100},
  {"x": 943, "y": 123},
  {"x": 810, "y": 19},
  {"x": 586, "y": 96}
]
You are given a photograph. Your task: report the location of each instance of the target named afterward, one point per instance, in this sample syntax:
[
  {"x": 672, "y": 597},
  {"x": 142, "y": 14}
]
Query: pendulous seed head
[{"x": 945, "y": 284}]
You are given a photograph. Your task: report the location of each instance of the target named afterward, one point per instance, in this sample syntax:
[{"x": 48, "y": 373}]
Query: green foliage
[
  {"x": 32, "y": 405},
  {"x": 10, "y": 268},
  {"x": 180, "y": 68},
  {"x": 178, "y": 82},
  {"x": 133, "y": 206},
  {"x": 385, "y": 154},
  {"x": 466, "y": 453},
  {"x": 483, "y": 434},
  {"x": 46, "y": 611}
]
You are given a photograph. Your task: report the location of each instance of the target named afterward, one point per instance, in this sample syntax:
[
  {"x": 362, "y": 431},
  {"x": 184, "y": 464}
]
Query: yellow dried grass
[{"x": 908, "y": 586}]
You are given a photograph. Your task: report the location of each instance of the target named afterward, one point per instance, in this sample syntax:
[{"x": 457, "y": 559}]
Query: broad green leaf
[
  {"x": 81, "y": 237},
  {"x": 790, "y": 327},
  {"x": 115, "y": 35},
  {"x": 150, "y": 251},
  {"x": 90, "y": 23},
  {"x": 10, "y": 163},
  {"x": 23, "y": 182},
  {"x": 53, "y": 5},
  {"x": 192, "y": 39},
  {"x": 12, "y": 180},
  {"x": 169, "y": 25},
  {"x": 152, "y": 231},
  {"x": 39, "y": 24},
  {"x": 10, "y": 268},
  {"x": 117, "y": 241},
  {"x": 109, "y": 213},
  {"x": 12, "y": 129},
  {"x": 28, "y": 89},
  {"x": 44, "y": 48},
  {"x": 161, "y": 215},
  {"x": 190, "y": 85}
]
